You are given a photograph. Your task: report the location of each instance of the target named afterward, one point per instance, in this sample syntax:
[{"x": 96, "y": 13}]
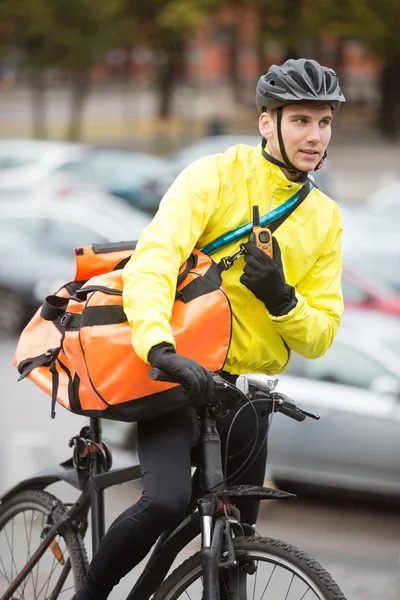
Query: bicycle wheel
[
  {"x": 273, "y": 570},
  {"x": 24, "y": 520}
]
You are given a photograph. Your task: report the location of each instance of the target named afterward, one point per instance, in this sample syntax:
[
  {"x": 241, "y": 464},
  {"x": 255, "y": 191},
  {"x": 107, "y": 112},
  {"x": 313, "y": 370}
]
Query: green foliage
[
  {"x": 183, "y": 15},
  {"x": 374, "y": 22},
  {"x": 71, "y": 34},
  {"x": 157, "y": 23}
]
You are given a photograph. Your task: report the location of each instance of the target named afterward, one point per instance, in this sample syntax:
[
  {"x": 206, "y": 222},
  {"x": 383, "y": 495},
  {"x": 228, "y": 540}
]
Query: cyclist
[{"x": 292, "y": 302}]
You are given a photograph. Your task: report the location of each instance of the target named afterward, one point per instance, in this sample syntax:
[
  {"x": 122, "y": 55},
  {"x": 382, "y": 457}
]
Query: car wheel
[{"x": 11, "y": 313}]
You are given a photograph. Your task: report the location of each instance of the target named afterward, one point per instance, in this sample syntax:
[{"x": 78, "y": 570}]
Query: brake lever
[{"x": 286, "y": 400}]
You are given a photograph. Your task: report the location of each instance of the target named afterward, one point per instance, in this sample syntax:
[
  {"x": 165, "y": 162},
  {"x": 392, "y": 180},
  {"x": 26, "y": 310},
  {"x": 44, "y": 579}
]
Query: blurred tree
[
  {"x": 164, "y": 25},
  {"x": 377, "y": 25},
  {"x": 68, "y": 34},
  {"x": 285, "y": 22}
]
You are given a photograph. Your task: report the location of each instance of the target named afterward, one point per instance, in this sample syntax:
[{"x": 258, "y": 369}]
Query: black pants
[{"x": 165, "y": 447}]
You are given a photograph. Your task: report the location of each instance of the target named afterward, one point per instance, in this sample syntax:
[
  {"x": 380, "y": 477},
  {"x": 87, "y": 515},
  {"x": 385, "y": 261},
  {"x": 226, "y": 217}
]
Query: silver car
[{"x": 355, "y": 388}]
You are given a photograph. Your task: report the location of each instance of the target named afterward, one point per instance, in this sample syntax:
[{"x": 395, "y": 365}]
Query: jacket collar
[{"x": 276, "y": 172}]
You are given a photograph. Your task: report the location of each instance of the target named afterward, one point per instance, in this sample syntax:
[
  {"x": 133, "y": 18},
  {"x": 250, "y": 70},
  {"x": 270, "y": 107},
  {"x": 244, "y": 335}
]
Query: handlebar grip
[
  {"x": 293, "y": 413},
  {"x": 157, "y": 374}
]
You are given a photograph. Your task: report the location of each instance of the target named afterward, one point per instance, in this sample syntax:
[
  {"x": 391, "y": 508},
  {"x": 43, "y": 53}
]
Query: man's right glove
[
  {"x": 264, "y": 277},
  {"x": 189, "y": 373}
]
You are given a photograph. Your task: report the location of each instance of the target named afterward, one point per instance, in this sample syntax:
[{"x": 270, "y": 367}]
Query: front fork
[{"x": 217, "y": 552}]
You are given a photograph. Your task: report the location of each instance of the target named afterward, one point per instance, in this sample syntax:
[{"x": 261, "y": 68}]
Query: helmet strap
[
  {"x": 321, "y": 162},
  {"x": 300, "y": 176}
]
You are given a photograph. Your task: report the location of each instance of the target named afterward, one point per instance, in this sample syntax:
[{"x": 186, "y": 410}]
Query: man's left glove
[
  {"x": 190, "y": 374},
  {"x": 264, "y": 277}
]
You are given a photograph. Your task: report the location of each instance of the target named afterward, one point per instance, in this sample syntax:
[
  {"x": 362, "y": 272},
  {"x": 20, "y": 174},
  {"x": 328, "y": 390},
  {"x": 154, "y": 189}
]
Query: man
[{"x": 290, "y": 302}]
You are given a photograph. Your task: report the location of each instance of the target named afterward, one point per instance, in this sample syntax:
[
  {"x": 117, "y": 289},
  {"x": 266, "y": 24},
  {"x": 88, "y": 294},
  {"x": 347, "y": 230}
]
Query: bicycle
[{"x": 229, "y": 564}]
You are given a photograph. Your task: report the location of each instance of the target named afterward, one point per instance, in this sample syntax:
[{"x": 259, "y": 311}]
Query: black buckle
[{"x": 66, "y": 319}]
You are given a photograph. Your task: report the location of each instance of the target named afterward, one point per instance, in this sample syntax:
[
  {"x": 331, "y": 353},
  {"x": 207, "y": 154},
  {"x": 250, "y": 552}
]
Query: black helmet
[{"x": 297, "y": 81}]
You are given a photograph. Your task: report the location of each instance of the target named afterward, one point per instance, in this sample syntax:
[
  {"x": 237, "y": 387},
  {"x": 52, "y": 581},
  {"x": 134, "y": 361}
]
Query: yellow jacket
[{"x": 215, "y": 195}]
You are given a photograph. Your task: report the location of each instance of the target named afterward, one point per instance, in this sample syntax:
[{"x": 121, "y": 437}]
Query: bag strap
[
  {"x": 279, "y": 214},
  {"x": 189, "y": 265},
  {"x": 43, "y": 360},
  {"x": 305, "y": 190}
]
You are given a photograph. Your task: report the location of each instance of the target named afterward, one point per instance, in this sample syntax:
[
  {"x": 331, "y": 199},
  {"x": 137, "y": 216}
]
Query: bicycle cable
[
  {"x": 239, "y": 472},
  {"x": 253, "y": 443}
]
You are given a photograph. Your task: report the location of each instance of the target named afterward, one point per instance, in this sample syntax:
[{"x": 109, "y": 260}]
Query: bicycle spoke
[
  {"x": 24, "y": 524},
  {"x": 61, "y": 580},
  {"x": 3, "y": 573},
  {"x": 255, "y": 582},
  {"x": 268, "y": 582},
  {"x": 28, "y": 546},
  {"x": 11, "y": 552},
  {"x": 305, "y": 594},
  {"x": 53, "y": 568},
  {"x": 290, "y": 585},
  {"x": 28, "y": 540},
  {"x": 37, "y": 564}
]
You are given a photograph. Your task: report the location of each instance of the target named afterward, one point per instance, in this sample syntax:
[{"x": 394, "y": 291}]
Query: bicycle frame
[{"x": 169, "y": 545}]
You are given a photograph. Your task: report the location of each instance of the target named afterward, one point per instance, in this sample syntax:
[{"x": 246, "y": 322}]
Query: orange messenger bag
[{"x": 78, "y": 349}]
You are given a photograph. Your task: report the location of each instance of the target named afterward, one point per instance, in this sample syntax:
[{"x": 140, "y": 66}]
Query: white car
[
  {"x": 355, "y": 388},
  {"x": 370, "y": 248},
  {"x": 37, "y": 244},
  {"x": 27, "y": 166}
]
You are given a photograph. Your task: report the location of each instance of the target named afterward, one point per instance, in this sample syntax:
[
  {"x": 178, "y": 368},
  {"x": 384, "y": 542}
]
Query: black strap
[
  {"x": 300, "y": 176},
  {"x": 305, "y": 190},
  {"x": 54, "y": 387},
  {"x": 190, "y": 264},
  {"x": 43, "y": 360},
  {"x": 53, "y": 308}
]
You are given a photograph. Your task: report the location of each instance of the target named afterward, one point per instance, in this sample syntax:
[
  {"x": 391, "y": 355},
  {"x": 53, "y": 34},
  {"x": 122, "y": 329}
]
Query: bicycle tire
[
  {"x": 249, "y": 549},
  {"x": 16, "y": 526}
]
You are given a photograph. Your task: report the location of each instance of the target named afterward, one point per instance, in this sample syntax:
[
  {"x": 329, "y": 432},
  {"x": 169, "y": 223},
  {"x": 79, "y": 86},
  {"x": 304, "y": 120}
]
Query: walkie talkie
[{"x": 261, "y": 236}]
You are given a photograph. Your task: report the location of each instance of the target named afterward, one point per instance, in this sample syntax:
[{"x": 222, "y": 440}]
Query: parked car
[
  {"x": 26, "y": 165},
  {"x": 355, "y": 388},
  {"x": 364, "y": 294},
  {"x": 214, "y": 144},
  {"x": 37, "y": 243},
  {"x": 138, "y": 178},
  {"x": 370, "y": 249}
]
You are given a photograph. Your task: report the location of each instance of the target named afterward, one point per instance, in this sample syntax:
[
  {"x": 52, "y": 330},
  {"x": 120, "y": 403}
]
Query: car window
[
  {"x": 70, "y": 167},
  {"x": 54, "y": 235},
  {"x": 345, "y": 365},
  {"x": 13, "y": 162},
  {"x": 66, "y": 235}
]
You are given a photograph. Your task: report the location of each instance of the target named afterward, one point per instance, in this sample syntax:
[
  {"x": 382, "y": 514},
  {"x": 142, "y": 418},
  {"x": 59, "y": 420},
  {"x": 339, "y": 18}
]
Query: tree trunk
[
  {"x": 165, "y": 74},
  {"x": 38, "y": 97},
  {"x": 233, "y": 64},
  {"x": 79, "y": 96},
  {"x": 389, "y": 120}
]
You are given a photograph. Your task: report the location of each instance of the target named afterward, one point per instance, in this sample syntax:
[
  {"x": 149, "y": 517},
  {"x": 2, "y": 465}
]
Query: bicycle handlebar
[{"x": 281, "y": 402}]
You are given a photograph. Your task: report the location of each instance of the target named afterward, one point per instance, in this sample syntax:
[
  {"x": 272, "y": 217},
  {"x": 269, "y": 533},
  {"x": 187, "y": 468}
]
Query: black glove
[
  {"x": 264, "y": 277},
  {"x": 189, "y": 373}
]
